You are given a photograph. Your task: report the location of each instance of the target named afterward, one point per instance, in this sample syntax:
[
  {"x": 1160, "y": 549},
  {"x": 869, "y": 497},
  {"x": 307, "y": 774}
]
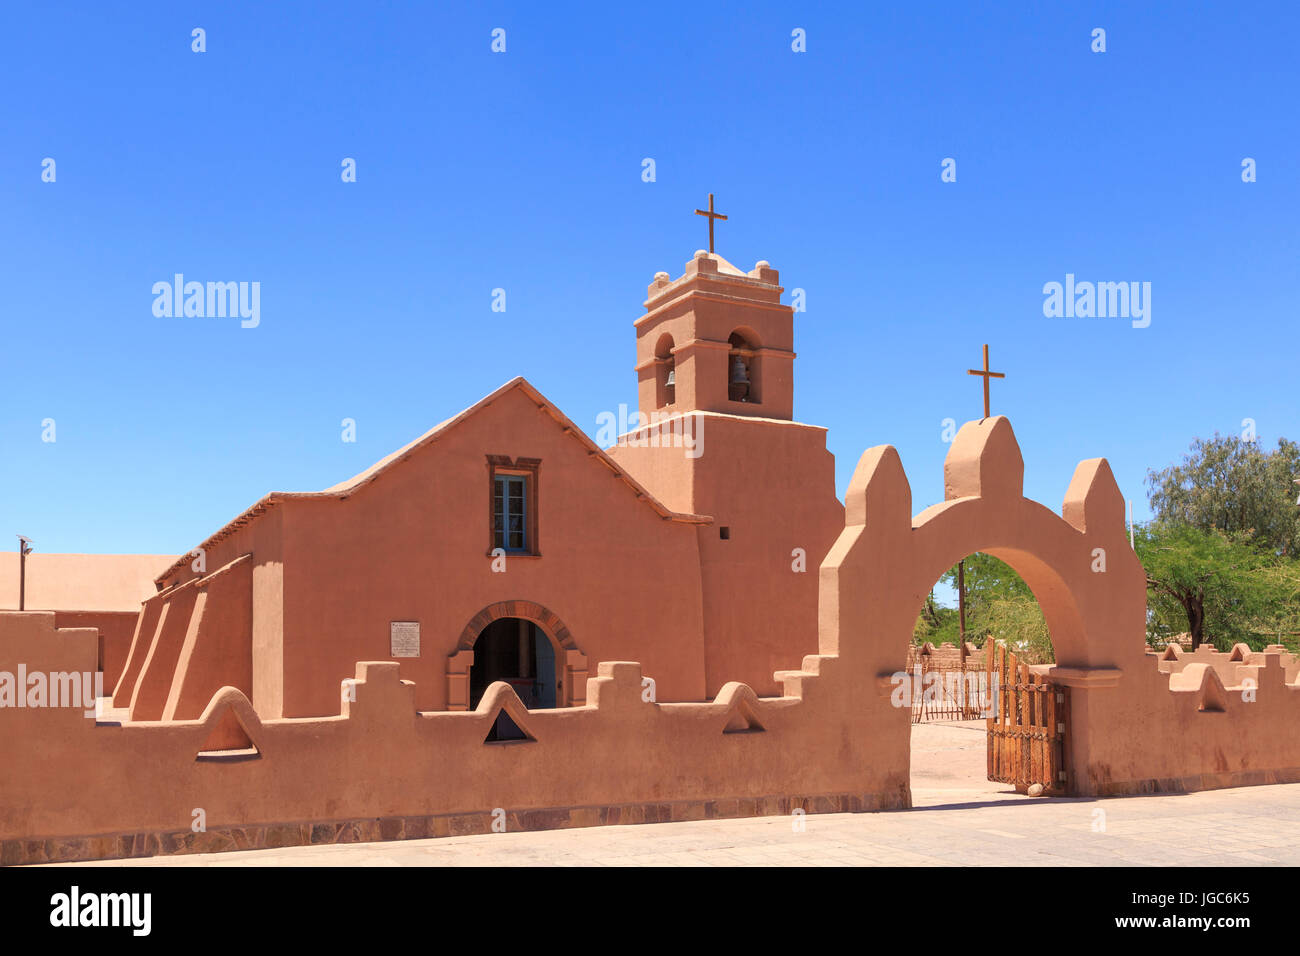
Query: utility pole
[
  {"x": 24, "y": 549},
  {"x": 961, "y": 607}
]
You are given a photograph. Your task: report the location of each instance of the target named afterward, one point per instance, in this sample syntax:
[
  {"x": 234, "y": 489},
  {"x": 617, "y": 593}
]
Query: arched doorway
[
  {"x": 546, "y": 661},
  {"x": 519, "y": 652},
  {"x": 980, "y": 612}
]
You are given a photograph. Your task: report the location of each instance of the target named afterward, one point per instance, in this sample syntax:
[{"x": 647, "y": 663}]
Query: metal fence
[{"x": 947, "y": 685}]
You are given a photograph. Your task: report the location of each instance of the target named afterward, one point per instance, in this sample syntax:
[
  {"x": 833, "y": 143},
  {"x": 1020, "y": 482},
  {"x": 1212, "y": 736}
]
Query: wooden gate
[{"x": 1028, "y": 737}]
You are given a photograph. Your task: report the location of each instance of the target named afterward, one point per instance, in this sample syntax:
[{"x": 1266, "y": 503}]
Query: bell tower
[
  {"x": 715, "y": 362},
  {"x": 716, "y": 340}
]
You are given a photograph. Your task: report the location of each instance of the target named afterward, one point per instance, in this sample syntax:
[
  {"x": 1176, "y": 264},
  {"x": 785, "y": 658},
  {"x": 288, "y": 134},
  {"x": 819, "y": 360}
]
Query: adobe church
[
  {"x": 404, "y": 654},
  {"x": 504, "y": 545}
]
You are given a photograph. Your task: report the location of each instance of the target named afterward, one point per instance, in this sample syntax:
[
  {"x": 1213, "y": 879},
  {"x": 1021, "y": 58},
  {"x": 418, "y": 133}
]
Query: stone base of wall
[
  {"x": 1195, "y": 782},
  {"x": 17, "y": 852}
]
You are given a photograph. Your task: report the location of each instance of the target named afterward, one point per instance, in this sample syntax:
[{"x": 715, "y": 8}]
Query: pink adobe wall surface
[
  {"x": 103, "y": 591},
  {"x": 189, "y": 643},
  {"x": 1139, "y": 723},
  {"x": 116, "y": 631},
  {"x": 771, "y": 484},
  {"x": 80, "y": 582},
  {"x": 221, "y": 652}
]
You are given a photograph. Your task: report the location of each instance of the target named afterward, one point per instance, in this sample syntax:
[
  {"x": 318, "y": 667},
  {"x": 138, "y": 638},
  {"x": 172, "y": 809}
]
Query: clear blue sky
[{"x": 522, "y": 170}]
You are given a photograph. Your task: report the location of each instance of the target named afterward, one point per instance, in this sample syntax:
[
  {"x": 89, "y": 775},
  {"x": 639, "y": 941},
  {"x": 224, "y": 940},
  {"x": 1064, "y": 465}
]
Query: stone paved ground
[{"x": 958, "y": 818}]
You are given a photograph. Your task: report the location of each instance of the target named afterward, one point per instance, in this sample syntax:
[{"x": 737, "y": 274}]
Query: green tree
[
  {"x": 987, "y": 580},
  {"x": 1019, "y": 621},
  {"x": 1234, "y": 486},
  {"x": 1211, "y": 584},
  {"x": 1280, "y": 621},
  {"x": 936, "y": 623},
  {"x": 998, "y": 603}
]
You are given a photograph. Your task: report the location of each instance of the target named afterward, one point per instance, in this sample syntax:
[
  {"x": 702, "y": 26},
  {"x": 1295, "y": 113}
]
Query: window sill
[{"x": 514, "y": 554}]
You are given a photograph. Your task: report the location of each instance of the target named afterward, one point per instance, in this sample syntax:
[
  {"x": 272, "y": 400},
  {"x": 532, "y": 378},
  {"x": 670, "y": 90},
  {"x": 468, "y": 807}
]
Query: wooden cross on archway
[{"x": 987, "y": 375}]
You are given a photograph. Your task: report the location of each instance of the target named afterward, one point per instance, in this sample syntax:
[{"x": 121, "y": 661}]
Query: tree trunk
[
  {"x": 1195, "y": 609},
  {"x": 928, "y": 611},
  {"x": 961, "y": 603}
]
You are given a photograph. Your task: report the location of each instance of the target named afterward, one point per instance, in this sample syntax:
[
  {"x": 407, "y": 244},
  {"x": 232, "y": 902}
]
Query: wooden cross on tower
[
  {"x": 712, "y": 216},
  {"x": 987, "y": 375}
]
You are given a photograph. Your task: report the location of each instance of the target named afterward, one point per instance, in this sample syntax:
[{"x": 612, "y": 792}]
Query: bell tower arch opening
[
  {"x": 665, "y": 372},
  {"x": 743, "y": 367}
]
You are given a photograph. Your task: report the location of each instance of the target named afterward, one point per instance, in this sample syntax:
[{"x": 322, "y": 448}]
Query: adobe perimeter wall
[
  {"x": 116, "y": 630},
  {"x": 90, "y": 789}
]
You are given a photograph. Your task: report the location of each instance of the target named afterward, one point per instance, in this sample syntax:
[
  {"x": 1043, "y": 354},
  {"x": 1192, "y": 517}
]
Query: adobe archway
[
  {"x": 572, "y": 662},
  {"x": 874, "y": 579}
]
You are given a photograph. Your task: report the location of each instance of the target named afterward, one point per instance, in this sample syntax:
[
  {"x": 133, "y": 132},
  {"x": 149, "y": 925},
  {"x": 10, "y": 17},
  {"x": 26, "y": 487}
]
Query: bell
[
  {"x": 672, "y": 378},
  {"x": 739, "y": 376}
]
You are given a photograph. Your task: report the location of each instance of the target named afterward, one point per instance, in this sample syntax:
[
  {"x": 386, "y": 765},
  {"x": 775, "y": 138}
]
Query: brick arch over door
[{"x": 569, "y": 656}]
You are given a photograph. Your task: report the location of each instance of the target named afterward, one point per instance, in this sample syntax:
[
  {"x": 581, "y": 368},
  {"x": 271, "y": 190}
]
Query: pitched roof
[
  {"x": 356, "y": 482},
  {"x": 725, "y": 267}
]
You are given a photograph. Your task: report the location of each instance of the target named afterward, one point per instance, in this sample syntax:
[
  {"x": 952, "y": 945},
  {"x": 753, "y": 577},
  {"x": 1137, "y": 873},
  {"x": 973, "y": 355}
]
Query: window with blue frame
[
  {"x": 512, "y": 504},
  {"x": 510, "y": 512}
]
